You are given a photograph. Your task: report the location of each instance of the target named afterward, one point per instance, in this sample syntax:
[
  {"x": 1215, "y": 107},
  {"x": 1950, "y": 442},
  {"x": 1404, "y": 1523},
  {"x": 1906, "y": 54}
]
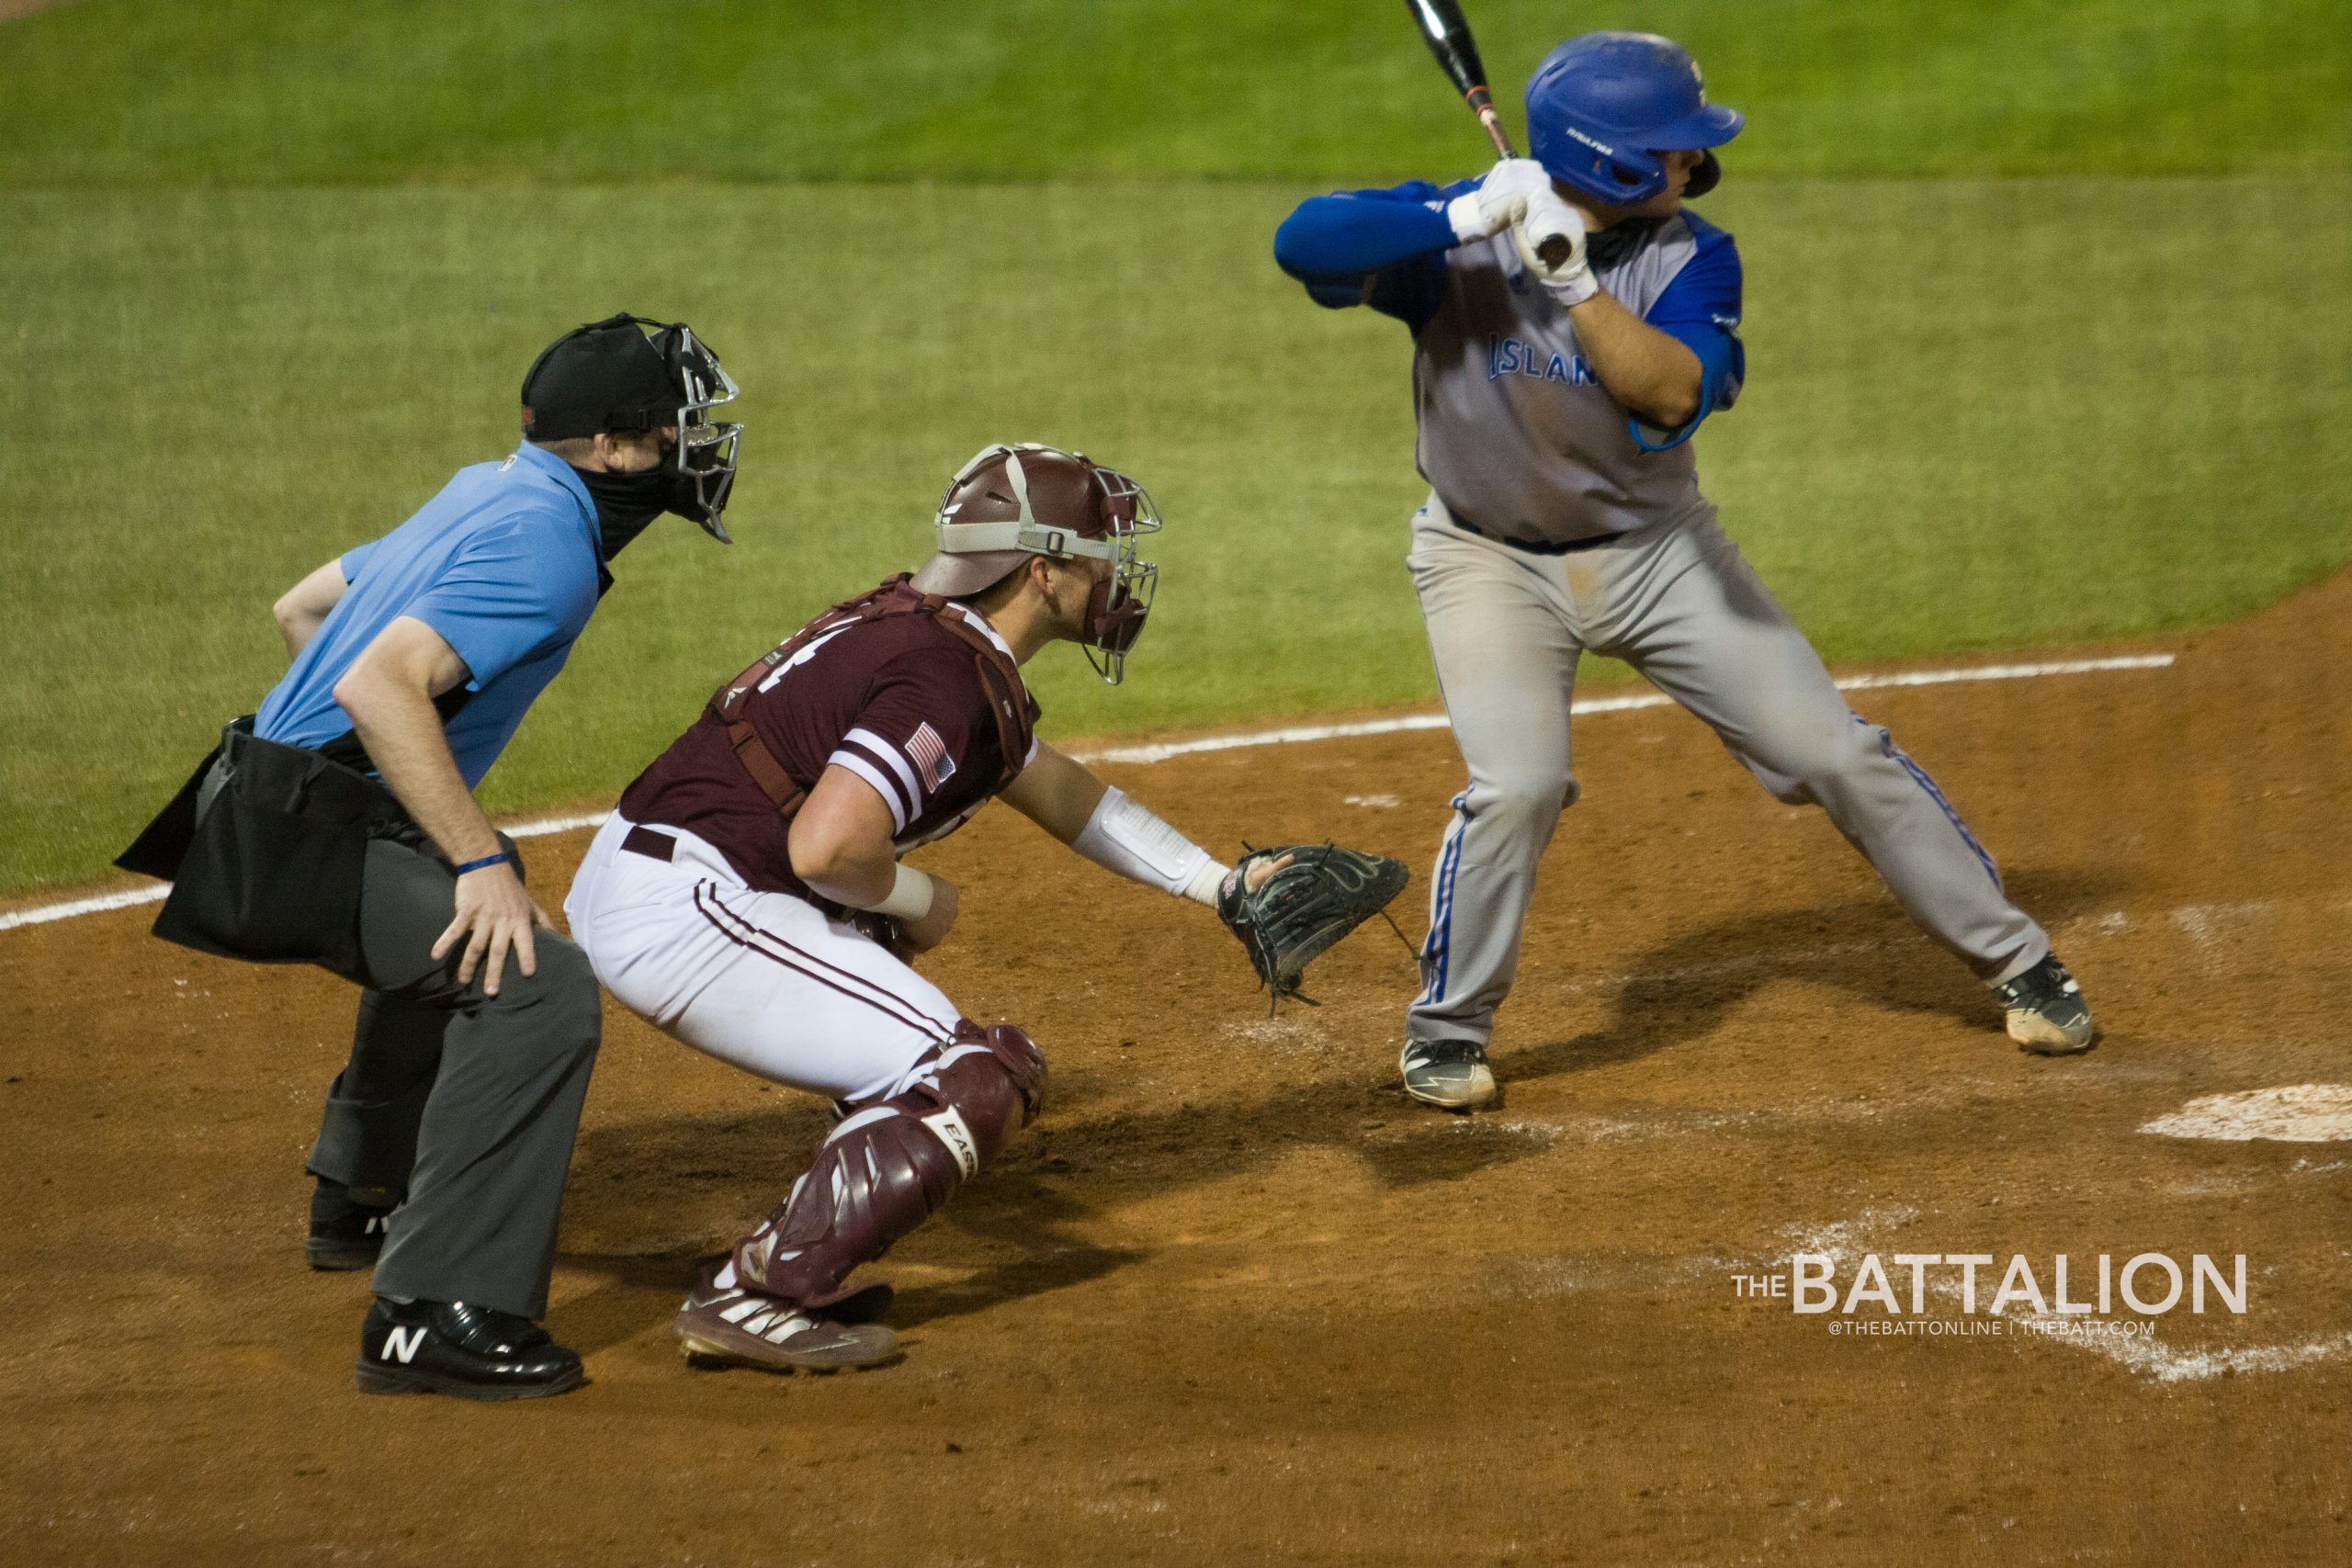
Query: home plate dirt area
[{"x": 1233, "y": 1300}]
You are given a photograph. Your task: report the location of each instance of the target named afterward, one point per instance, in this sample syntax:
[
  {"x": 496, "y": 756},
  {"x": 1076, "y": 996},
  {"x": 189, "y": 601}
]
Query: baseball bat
[{"x": 1447, "y": 32}]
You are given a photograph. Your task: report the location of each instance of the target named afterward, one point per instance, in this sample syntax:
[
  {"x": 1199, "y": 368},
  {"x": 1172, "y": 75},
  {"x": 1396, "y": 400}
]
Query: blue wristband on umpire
[{"x": 501, "y": 858}]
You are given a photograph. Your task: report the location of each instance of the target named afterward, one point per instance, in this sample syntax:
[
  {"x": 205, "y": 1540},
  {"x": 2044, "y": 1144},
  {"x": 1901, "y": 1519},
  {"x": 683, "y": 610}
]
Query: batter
[{"x": 1554, "y": 408}]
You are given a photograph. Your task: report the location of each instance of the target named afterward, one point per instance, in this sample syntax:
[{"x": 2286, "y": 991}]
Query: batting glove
[
  {"x": 1500, "y": 201},
  {"x": 1570, "y": 280}
]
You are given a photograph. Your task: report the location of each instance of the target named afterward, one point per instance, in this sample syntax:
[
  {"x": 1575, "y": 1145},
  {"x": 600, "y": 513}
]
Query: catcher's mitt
[{"x": 1296, "y": 913}]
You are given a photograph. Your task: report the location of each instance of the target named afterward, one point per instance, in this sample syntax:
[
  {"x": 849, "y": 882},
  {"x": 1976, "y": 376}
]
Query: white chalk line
[
  {"x": 2284, "y": 1113},
  {"x": 2165, "y": 1364},
  {"x": 42, "y": 914},
  {"x": 547, "y": 825},
  {"x": 1161, "y": 751}
]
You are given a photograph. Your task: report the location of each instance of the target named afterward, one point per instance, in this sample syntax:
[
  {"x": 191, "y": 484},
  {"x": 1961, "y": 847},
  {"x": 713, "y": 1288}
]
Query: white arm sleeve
[
  {"x": 1125, "y": 837},
  {"x": 911, "y": 896}
]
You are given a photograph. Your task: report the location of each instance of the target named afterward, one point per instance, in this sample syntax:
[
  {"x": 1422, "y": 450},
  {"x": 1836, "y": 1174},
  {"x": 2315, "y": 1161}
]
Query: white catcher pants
[{"x": 763, "y": 981}]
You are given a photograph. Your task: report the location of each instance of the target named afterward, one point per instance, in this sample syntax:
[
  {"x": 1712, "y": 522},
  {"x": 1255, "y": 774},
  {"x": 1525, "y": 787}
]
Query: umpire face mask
[{"x": 626, "y": 503}]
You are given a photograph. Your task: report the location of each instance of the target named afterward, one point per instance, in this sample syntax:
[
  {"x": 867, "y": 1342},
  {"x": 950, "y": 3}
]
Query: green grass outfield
[
  {"x": 2046, "y": 313},
  {"x": 609, "y": 91}
]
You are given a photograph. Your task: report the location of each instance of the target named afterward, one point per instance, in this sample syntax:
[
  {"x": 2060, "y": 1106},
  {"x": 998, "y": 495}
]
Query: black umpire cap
[{"x": 604, "y": 375}]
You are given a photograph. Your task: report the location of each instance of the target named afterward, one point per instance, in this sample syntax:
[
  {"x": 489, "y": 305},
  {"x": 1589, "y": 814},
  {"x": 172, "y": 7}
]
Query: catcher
[{"x": 747, "y": 896}]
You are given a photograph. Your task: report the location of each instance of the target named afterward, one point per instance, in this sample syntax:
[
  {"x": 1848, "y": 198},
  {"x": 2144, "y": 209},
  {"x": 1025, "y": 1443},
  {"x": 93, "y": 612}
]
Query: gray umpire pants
[{"x": 461, "y": 1106}]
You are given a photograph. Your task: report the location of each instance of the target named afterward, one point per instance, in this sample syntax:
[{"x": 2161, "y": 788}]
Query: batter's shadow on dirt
[
  {"x": 1683, "y": 990},
  {"x": 1177, "y": 1148}
]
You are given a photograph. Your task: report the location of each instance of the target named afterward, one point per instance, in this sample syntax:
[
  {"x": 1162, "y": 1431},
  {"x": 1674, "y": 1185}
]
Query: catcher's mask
[
  {"x": 610, "y": 376},
  {"x": 1011, "y": 502}
]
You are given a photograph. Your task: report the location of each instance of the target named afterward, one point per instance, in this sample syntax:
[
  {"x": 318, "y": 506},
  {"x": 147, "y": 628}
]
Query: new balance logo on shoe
[{"x": 463, "y": 1349}]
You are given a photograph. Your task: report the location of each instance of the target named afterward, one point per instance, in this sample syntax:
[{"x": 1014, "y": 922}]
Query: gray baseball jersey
[{"x": 1516, "y": 435}]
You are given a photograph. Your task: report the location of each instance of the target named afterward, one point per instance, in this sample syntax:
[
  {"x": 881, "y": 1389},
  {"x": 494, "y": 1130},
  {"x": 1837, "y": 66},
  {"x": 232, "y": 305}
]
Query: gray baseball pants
[
  {"x": 466, "y": 1104},
  {"x": 1678, "y": 602}
]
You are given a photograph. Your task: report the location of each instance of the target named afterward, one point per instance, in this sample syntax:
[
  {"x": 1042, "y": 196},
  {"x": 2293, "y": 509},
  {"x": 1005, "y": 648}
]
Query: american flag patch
[{"x": 929, "y": 756}]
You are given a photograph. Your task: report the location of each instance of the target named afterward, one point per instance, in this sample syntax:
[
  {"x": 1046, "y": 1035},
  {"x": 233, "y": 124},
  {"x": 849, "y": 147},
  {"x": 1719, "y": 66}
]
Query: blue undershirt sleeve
[
  {"x": 1356, "y": 233},
  {"x": 1381, "y": 248},
  {"x": 1701, "y": 310}
]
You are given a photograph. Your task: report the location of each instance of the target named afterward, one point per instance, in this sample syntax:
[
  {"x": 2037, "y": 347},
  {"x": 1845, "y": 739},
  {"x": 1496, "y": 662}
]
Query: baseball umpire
[
  {"x": 338, "y": 827},
  {"x": 747, "y": 896},
  {"x": 1556, "y": 404}
]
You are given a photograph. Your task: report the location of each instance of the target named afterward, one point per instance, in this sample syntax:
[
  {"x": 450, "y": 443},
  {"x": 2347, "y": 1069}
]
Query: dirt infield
[{"x": 1235, "y": 1301}]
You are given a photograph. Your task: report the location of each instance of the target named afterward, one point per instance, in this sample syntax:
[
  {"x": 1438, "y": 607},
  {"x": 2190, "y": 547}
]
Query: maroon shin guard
[{"x": 891, "y": 1165}]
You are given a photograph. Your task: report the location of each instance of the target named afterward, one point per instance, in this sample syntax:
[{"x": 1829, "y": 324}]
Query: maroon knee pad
[{"x": 891, "y": 1165}]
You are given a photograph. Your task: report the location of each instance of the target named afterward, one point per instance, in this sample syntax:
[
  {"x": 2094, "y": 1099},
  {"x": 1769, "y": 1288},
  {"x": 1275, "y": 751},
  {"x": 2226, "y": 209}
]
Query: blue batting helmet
[{"x": 1602, "y": 104}]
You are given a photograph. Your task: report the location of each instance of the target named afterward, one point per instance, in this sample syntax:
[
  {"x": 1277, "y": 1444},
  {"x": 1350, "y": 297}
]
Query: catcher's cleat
[
  {"x": 734, "y": 1327},
  {"x": 462, "y": 1350},
  {"x": 345, "y": 1232},
  {"x": 1450, "y": 1074},
  {"x": 2047, "y": 1013}
]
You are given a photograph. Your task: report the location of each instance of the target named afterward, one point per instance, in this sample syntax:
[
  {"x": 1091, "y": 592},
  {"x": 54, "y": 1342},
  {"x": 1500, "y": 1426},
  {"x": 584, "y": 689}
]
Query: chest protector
[{"x": 1000, "y": 678}]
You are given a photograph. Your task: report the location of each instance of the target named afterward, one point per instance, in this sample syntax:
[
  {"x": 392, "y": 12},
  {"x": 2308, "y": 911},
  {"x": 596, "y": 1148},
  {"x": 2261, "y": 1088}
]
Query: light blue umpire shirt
[{"x": 504, "y": 563}]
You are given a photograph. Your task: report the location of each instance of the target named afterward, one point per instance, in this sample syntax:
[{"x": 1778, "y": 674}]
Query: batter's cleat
[
  {"x": 459, "y": 1349},
  {"x": 345, "y": 1232},
  {"x": 2047, "y": 1013},
  {"x": 732, "y": 1327},
  {"x": 1450, "y": 1074}
]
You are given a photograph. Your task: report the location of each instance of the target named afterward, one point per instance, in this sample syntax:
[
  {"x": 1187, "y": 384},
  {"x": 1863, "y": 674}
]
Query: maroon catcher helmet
[{"x": 1011, "y": 502}]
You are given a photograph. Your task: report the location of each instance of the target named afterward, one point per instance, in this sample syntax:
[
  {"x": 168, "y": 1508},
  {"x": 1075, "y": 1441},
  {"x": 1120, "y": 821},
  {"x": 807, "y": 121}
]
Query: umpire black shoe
[
  {"x": 1452, "y": 1075},
  {"x": 456, "y": 1347},
  {"x": 345, "y": 1232},
  {"x": 2047, "y": 1013}
]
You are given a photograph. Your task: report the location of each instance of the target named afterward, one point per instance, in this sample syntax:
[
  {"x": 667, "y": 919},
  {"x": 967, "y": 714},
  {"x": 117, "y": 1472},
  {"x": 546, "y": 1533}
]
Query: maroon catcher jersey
[{"x": 897, "y": 699}]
